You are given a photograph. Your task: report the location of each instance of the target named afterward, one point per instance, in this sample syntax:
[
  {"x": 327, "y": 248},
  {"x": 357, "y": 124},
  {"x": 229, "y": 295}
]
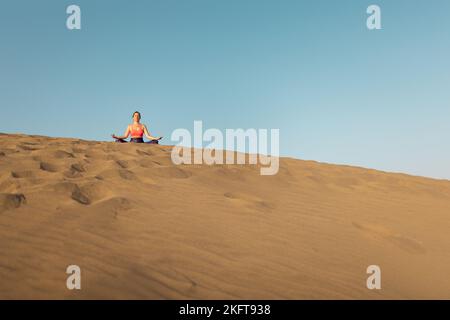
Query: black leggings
[{"x": 137, "y": 140}]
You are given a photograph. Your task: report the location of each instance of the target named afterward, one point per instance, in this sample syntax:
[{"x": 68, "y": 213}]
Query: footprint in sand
[
  {"x": 61, "y": 154},
  {"x": 95, "y": 191},
  {"x": 22, "y": 174},
  {"x": 401, "y": 241},
  {"x": 112, "y": 174},
  {"x": 78, "y": 167},
  {"x": 10, "y": 201},
  {"x": 78, "y": 150},
  {"x": 123, "y": 164},
  {"x": 27, "y": 148},
  {"x": 76, "y": 171},
  {"x": 72, "y": 189},
  {"x": 115, "y": 205},
  {"x": 144, "y": 153},
  {"x": 90, "y": 192},
  {"x": 45, "y": 166},
  {"x": 148, "y": 163},
  {"x": 80, "y": 197},
  {"x": 250, "y": 202},
  {"x": 127, "y": 174}
]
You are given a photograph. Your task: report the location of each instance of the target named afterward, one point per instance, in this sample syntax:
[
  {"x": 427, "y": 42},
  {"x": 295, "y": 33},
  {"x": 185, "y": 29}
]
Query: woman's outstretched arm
[
  {"x": 149, "y": 136},
  {"x": 127, "y": 133}
]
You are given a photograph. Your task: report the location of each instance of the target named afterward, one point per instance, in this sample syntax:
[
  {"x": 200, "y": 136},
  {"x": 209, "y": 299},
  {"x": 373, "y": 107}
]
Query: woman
[{"x": 137, "y": 131}]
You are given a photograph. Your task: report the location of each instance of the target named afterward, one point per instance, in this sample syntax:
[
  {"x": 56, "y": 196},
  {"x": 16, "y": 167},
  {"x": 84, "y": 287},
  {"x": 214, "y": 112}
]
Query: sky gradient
[{"x": 338, "y": 92}]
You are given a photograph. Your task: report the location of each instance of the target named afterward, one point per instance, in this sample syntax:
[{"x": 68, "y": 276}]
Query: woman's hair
[{"x": 137, "y": 113}]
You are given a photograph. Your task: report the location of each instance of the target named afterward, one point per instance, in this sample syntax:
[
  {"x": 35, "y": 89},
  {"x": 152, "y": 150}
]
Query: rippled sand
[{"x": 140, "y": 227}]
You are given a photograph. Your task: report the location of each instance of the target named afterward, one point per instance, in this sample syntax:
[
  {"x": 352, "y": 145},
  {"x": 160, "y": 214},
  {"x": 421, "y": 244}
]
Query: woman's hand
[{"x": 127, "y": 133}]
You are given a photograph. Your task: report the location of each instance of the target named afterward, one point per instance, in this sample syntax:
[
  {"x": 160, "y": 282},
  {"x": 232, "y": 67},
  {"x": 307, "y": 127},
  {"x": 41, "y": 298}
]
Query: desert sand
[{"x": 140, "y": 227}]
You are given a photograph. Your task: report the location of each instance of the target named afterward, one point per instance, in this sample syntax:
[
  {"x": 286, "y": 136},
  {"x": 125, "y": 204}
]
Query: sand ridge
[{"x": 141, "y": 227}]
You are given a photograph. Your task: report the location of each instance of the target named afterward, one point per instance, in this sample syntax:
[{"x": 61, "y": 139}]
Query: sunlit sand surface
[{"x": 140, "y": 227}]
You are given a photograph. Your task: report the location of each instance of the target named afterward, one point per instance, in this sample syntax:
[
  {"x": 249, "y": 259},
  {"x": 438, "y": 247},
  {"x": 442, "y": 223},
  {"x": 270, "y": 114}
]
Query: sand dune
[{"x": 141, "y": 227}]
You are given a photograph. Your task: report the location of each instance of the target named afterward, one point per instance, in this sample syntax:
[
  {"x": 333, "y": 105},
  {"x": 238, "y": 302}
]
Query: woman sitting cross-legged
[{"x": 137, "y": 131}]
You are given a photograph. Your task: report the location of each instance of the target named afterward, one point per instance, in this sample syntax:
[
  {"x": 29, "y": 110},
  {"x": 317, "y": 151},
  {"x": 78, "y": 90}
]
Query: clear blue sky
[{"x": 338, "y": 92}]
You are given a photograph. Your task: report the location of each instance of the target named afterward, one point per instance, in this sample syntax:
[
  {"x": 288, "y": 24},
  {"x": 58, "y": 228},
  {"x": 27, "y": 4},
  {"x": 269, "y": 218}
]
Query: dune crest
[{"x": 141, "y": 227}]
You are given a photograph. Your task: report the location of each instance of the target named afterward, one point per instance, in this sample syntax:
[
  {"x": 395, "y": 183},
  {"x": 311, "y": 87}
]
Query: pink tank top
[{"x": 137, "y": 132}]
